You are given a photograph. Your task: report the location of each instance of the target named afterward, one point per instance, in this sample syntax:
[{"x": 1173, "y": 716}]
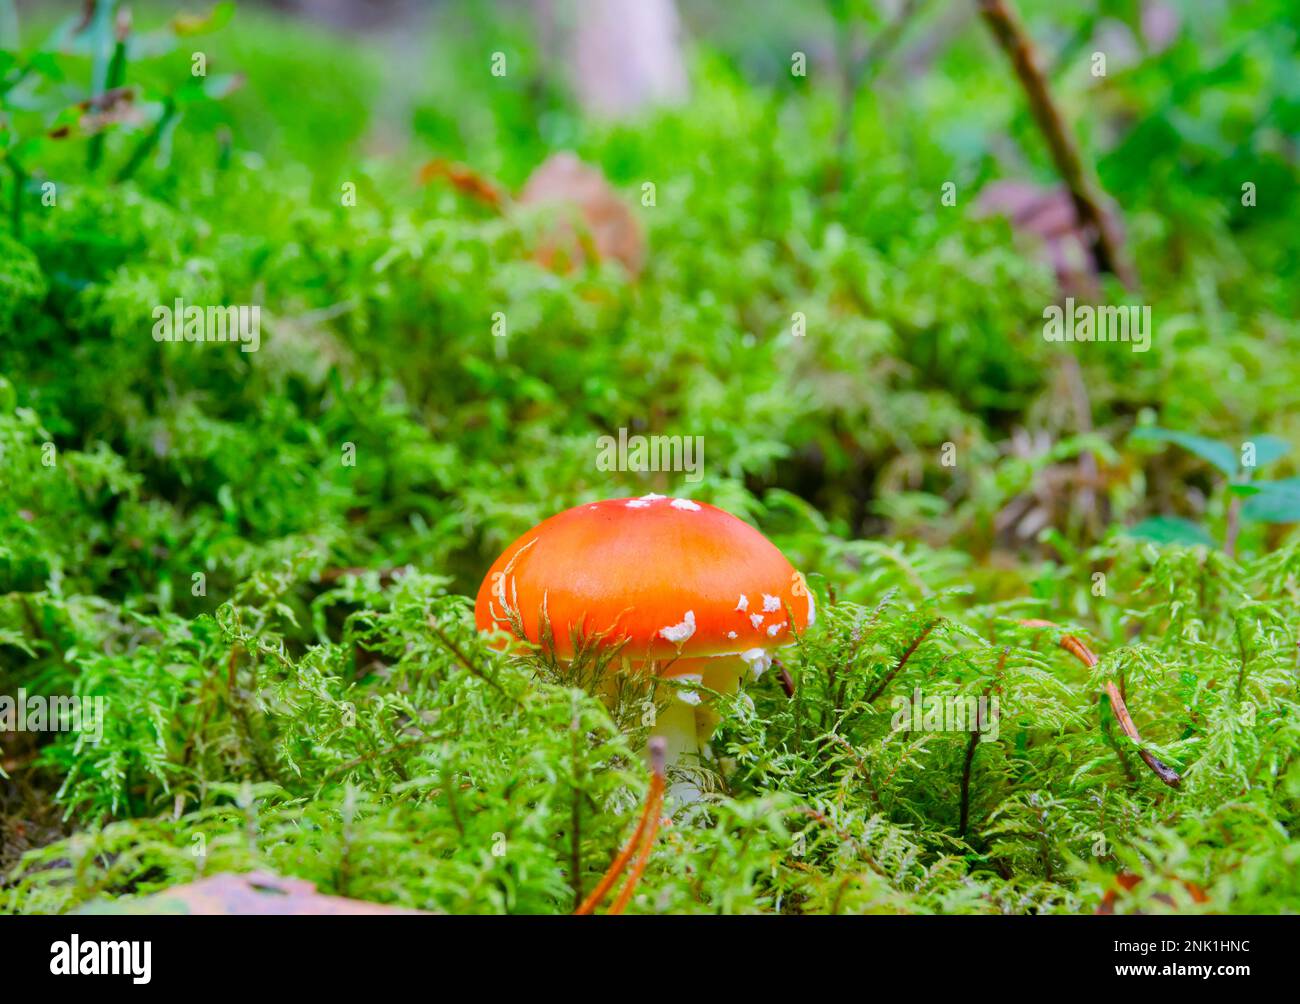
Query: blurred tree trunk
[
  {"x": 626, "y": 54},
  {"x": 352, "y": 13}
]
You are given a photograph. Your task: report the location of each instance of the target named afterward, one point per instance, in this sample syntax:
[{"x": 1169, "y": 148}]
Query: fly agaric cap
[{"x": 669, "y": 578}]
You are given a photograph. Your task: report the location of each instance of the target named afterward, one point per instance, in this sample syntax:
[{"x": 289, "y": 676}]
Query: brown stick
[
  {"x": 1085, "y": 655},
  {"x": 970, "y": 753},
  {"x": 1014, "y": 41},
  {"x": 454, "y": 649},
  {"x": 783, "y": 674},
  {"x": 1234, "y": 527},
  {"x": 903, "y": 660},
  {"x": 653, "y": 803},
  {"x": 634, "y": 876},
  {"x": 467, "y": 181}
]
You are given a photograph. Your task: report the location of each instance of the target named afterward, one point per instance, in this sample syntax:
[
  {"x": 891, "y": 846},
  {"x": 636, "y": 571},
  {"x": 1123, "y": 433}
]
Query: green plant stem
[
  {"x": 16, "y": 199},
  {"x": 147, "y": 145},
  {"x": 1234, "y": 527},
  {"x": 116, "y": 74},
  {"x": 101, "y": 32}
]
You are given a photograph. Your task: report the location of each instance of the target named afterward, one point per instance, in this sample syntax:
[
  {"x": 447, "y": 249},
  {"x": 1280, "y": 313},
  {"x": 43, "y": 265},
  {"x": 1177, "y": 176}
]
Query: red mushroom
[{"x": 685, "y": 589}]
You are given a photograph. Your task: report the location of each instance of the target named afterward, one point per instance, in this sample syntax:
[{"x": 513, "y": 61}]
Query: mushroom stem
[
  {"x": 686, "y": 725},
  {"x": 675, "y": 725}
]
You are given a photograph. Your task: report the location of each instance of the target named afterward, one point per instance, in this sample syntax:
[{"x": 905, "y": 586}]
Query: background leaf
[
  {"x": 1276, "y": 502},
  {"x": 1269, "y": 448},
  {"x": 1221, "y": 455},
  {"x": 1171, "y": 530}
]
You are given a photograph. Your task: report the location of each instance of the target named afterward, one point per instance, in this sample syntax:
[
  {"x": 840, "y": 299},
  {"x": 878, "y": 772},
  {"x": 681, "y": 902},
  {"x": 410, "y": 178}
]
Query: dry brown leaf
[
  {"x": 598, "y": 221},
  {"x": 1127, "y": 881},
  {"x": 254, "y": 893},
  {"x": 1047, "y": 215},
  {"x": 464, "y": 179}
]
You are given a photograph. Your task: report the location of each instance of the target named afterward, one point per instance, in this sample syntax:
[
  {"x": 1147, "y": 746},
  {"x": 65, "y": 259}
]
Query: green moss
[{"x": 284, "y": 640}]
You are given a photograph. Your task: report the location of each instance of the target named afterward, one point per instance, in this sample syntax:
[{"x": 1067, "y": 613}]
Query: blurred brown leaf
[
  {"x": 1127, "y": 881},
  {"x": 254, "y": 893},
  {"x": 1048, "y": 218},
  {"x": 464, "y": 179},
  {"x": 598, "y": 221}
]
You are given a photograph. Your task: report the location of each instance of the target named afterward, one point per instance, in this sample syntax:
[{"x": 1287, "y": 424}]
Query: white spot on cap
[
  {"x": 773, "y": 629},
  {"x": 771, "y": 603},
  {"x": 637, "y": 504},
  {"x": 678, "y": 633},
  {"x": 756, "y": 620},
  {"x": 731, "y": 634},
  {"x": 652, "y": 497},
  {"x": 757, "y": 660},
  {"x": 686, "y": 695},
  {"x": 743, "y": 604},
  {"x": 686, "y": 504}
]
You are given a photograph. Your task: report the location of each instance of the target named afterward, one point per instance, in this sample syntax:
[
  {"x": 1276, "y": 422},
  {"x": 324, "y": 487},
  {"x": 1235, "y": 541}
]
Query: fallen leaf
[
  {"x": 464, "y": 179},
  {"x": 598, "y": 221},
  {"x": 254, "y": 893},
  {"x": 1046, "y": 215}
]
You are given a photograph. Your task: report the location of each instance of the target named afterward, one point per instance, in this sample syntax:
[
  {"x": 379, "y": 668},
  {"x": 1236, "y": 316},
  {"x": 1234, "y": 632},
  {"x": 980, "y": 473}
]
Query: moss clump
[{"x": 260, "y": 561}]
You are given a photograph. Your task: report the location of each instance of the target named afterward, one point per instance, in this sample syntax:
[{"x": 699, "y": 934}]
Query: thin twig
[
  {"x": 902, "y": 661},
  {"x": 1085, "y": 655},
  {"x": 454, "y": 649},
  {"x": 970, "y": 752},
  {"x": 1234, "y": 527},
  {"x": 1166, "y": 773},
  {"x": 654, "y": 801},
  {"x": 783, "y": 674},
  {"x": 647, "y": 845},
  {"x": 150, "y": 141},
  {"x": 1014, "y": 41}
]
